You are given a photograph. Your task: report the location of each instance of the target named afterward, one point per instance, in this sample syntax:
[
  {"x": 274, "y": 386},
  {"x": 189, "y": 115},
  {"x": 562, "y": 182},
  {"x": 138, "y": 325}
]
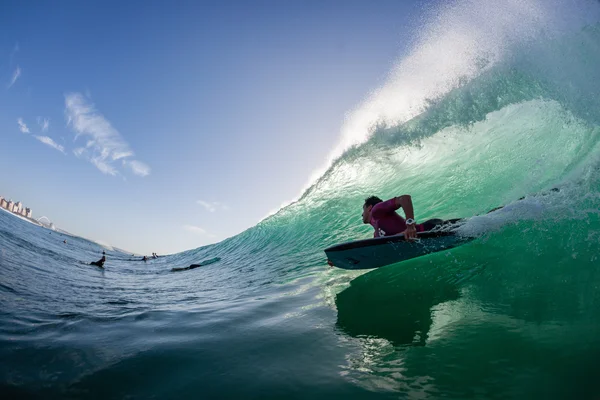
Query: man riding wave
[{"x": 386, "y": 221}]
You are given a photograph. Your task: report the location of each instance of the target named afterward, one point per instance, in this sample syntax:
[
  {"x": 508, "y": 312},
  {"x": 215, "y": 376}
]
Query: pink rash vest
[{"x": 386, "y": 220}]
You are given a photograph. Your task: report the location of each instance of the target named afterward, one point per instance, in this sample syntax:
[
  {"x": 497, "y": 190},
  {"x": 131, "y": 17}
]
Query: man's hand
[{"x": 410, "y": 232}]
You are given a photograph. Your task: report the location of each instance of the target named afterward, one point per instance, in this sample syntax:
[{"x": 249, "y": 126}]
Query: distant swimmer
[
  {"x": 202, "y": 264},
  {"x": 65, "y": 241},
  {"x": 145, "y": 259},
  {"x": 99, "y": 263},
  {"x": 186, "y": 268}
]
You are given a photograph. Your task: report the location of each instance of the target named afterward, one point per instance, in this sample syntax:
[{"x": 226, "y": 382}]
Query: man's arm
[
  {"x": 405, "y": 202},
  {"x": 393, "y": 204}
]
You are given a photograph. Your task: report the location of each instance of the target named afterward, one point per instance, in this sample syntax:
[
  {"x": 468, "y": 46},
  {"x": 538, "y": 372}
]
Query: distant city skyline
[{"x": 15, "y": 207}]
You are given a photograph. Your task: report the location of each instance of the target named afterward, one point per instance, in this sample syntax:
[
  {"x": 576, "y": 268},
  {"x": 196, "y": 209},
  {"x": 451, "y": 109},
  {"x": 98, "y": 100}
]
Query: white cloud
[
  {"x": 105, "y": 143},
  {"x": 138, "y": 167},
  {"x": 15, "y": 76},
  {"x": 50, "y": 142},
  {"x": 209, "y": 206},
  {"x": 44, "y": 123},
  {"x": 103, "y": 166},
  {"x": 22, "y": 126},
  {"x": 212, "y": 206},
  {"x": 197, "y": 230},
  {"x": 79, "y": 151}
]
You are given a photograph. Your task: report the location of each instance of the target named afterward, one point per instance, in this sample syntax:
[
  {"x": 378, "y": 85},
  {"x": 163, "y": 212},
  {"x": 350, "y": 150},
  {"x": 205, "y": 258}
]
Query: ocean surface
[{"x": 490, "y": 103}]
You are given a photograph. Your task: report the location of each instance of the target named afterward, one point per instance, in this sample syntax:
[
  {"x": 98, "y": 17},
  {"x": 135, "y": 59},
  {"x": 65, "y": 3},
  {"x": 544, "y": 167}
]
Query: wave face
[{"x": 492, "y": 103}]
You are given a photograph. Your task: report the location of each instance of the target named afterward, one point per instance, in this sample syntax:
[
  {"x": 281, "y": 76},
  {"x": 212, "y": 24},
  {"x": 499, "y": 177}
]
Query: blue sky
[{"x": 164, "y": 126}]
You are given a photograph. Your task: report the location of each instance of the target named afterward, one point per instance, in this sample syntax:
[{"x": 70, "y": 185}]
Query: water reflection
[{"x": 394, "y": 303}]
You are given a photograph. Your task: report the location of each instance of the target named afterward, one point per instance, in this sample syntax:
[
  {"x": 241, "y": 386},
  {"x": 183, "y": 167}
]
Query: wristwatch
[{"x": 410, "y": 221}]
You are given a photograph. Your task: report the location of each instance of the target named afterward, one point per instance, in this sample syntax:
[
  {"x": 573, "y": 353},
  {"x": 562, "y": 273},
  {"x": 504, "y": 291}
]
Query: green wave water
[{"x": 514, "y": 314}]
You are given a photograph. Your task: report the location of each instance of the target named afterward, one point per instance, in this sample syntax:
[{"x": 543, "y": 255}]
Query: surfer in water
[
  {"x": 99, "y": 263},
  {"x": 385, "y": 220}
]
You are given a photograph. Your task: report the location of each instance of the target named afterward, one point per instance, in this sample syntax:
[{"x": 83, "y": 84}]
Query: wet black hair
[{"x": 371, "y": 201}]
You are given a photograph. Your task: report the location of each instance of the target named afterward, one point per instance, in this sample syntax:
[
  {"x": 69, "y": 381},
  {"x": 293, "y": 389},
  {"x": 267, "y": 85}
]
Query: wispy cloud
[
  {"x": 103, "y": 166},
  {"x": 22, "y": 126},
  {"x": 105, "y": 144},
  {"x": 44, "y": 123},
  {"x": 48, "y": 141},
  {"x": 198, "y": 230},
  {"x": 15, "y": 76},
  {"x": 137, "y": 167},
  {"x": 212, "y": 206},
  {"x": 79, "y": 151}
]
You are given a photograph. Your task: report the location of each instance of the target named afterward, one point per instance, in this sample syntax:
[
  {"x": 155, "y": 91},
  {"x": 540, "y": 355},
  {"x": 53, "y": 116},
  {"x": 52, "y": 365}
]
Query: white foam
[
  {"x": 530, "y": 208},
  {"x": 453, "y": 47}
]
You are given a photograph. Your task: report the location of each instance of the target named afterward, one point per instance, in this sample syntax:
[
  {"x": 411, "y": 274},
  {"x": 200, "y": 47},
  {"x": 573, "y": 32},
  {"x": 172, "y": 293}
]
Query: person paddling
[{"x": 99, "y": 263}]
